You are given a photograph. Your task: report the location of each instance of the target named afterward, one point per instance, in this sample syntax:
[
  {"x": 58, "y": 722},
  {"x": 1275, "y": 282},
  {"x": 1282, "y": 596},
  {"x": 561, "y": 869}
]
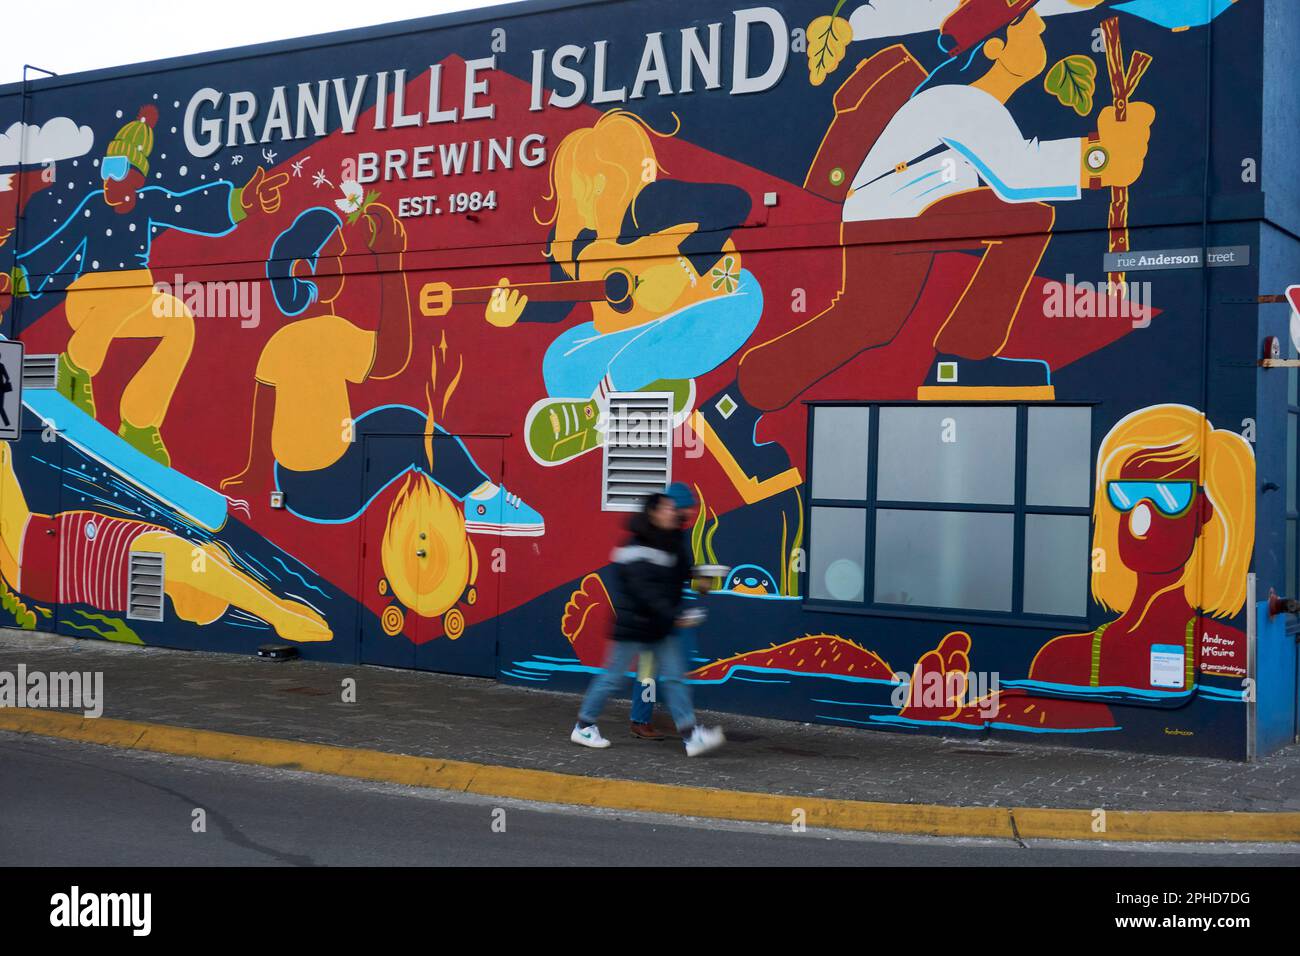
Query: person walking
[
  {"x": 650, "y": 576},
  {"x": 643, "y": 690}
]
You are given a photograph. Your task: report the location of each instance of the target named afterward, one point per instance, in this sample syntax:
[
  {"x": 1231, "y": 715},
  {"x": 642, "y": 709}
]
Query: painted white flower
[{"x": 353, "y": 196}]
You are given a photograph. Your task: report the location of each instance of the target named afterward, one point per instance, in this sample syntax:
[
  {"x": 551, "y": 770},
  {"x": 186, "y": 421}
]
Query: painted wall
[{"x": 294, "y": 270}]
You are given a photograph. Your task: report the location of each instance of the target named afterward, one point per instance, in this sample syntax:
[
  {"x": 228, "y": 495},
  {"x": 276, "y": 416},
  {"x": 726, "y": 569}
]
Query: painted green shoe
[
  {"x": 560, "y": 429},
  {"x": 683, "y": 392},
  {"x": 73, "y": 383},
  {"x": 147, "y": 440}
]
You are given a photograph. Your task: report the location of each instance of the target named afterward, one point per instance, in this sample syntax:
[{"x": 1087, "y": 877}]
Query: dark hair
[
  {"x": 965, "y": 67},
  {"x": 654, "y": 500},
  {"x": 640, "y": 525},
  {"x": 301, "y": 241}
]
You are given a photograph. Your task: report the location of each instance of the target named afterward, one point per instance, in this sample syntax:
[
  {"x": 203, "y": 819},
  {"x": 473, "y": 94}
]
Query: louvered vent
[
  {"x": 145, "y": 602},
  {"x": 638, "y": 448},
  {"x": 40, "y": 371}
]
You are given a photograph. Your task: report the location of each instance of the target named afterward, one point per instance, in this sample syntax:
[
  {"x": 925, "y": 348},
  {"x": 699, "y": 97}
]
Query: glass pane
[
  {"x": 949, "y": 455},
  {"x": 839, "y": 465},
  {"x": 944, "y": 559},
  {"x": 839, "y": 552},
  {"x": 1291, "y": 421},
  {"x": 1059, "y": 469},
  {"x": 1291, "y": 584},
  {"x": 1056, "y": 565}
]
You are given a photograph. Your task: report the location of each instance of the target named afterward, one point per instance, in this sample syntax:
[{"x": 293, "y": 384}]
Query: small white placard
[{"x": 1167, "y": 665}]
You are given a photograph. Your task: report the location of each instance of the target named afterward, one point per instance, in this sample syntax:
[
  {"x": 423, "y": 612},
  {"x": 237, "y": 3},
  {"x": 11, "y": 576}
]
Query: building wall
[{"x": 941, "y": 551}]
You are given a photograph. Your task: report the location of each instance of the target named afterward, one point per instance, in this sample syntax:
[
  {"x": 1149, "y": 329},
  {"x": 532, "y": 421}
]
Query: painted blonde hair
[
  {"x": 618, "y": 148},
  {"x": 1214, "y": 579},
  {"x": 427, "y": 585}
]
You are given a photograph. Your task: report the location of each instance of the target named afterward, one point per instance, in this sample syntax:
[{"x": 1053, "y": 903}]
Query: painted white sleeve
[{"x": 1019, "y": 170}]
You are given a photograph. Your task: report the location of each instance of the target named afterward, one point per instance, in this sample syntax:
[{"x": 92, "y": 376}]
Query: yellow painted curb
[{"x": 549, "y": 787}]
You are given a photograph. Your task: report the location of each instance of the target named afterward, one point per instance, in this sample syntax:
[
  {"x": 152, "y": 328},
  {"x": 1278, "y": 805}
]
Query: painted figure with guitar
[{"x": 670, "y": 303}]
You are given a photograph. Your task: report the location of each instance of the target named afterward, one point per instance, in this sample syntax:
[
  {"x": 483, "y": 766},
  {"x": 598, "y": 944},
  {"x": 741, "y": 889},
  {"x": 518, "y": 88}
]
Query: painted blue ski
[{"x": 197, "y": 502}]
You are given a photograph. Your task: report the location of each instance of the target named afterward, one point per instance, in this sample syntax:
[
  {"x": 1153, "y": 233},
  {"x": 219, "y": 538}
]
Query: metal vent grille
[
  {"x": 40, "y": 371},
  {"x": 638, "y": 448},
  {"x": 145, "y": 602}
]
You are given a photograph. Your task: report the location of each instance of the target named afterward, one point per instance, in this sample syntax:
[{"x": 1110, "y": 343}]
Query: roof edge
[{"x": 505, "y": 11}]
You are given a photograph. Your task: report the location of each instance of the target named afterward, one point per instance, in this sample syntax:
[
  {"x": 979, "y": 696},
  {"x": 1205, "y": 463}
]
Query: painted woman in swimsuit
[
  {"x": 1174, "y": 521},
  {"x": 83, "y": 557}
]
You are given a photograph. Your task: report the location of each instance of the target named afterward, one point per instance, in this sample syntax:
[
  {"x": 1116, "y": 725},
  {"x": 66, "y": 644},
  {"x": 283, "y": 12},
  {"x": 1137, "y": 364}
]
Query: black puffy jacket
[{"x": 650, "y": 569}]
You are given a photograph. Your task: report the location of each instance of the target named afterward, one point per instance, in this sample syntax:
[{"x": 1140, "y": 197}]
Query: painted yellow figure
[
  {"x": 306, "y": 367},
  {"x": 677, "y": 301},
  {"x": 82, "y": 557},
  {"x": 304, "y": 432},
  {"x": 103, "y": 307},
  {"x": 606, "y": 182},
  {"x": 104, "y": 244}
]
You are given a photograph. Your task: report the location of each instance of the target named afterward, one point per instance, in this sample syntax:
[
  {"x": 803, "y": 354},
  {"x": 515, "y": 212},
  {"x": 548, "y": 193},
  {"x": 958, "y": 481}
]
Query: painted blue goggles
[
  {"x": 115, "y": 168},
  {"x": 1171, "y": 498}
]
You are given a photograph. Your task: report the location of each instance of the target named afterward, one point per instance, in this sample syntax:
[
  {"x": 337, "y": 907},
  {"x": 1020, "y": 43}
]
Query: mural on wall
[
  {"x": 358, "y": 396},
  {"x": 679, "y": 303}
]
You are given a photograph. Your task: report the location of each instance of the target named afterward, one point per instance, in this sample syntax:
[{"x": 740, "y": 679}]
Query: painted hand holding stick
[{"x": 1124, "y": 169}]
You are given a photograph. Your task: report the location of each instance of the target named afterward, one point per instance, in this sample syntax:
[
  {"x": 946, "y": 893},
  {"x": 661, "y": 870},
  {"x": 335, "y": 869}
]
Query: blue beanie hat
[{"x": 681, "y": 495}]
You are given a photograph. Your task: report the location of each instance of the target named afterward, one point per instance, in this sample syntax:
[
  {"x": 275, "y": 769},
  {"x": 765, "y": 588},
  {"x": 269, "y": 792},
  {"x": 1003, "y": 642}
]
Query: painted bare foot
[
  {"x": 588, "y": 619},
  {"x": 300, "y": 624}
]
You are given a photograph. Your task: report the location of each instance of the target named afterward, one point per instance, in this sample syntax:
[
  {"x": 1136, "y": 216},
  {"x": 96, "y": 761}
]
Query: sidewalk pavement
[{"x": 483, "y": 722}]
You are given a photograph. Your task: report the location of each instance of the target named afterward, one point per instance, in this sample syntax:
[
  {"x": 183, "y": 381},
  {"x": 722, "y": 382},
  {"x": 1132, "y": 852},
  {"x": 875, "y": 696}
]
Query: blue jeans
[
  {"x": 643, "y": 700},
  {"x": 684, "y": 344},
  {"x": 670, "y": 664},
  {"x": 316, "y": 496}
]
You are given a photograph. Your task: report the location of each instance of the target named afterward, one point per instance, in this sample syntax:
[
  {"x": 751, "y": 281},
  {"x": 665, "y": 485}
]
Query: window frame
[{"x": 1019, "y": 510}]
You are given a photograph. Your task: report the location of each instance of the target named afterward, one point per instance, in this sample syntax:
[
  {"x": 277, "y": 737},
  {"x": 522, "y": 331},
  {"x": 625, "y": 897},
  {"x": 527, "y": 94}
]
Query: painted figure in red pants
[{"x": 951, "y": 164}]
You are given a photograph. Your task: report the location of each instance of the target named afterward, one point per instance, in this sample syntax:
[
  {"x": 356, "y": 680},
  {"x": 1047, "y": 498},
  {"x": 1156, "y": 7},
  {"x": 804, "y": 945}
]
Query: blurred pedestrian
[
  {"x": 650, "y": 577},
  {"x": 644, "y": 690}
]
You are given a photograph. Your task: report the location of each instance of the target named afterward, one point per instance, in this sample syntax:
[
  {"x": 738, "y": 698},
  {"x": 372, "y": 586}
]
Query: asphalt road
[{"x": 69, "y": 804}]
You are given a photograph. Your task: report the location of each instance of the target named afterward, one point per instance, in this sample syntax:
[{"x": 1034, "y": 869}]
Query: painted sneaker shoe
[
  {"x": 147, "y": 440},
  {"x": 493, "y": 510},
  {"x": 704, "y": 739},
  {"x": 558, "y": 430},
  {"x": 73, "y": 383},
  {"x": 683, "y": 392},
  {"x": 588, "y": 737}
]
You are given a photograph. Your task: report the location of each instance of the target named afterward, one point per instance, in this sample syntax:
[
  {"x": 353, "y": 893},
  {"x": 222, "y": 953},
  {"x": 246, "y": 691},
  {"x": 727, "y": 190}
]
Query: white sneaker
[
  {"x": 588, "y": 737},
  {"x": 704, "y": 739}
]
